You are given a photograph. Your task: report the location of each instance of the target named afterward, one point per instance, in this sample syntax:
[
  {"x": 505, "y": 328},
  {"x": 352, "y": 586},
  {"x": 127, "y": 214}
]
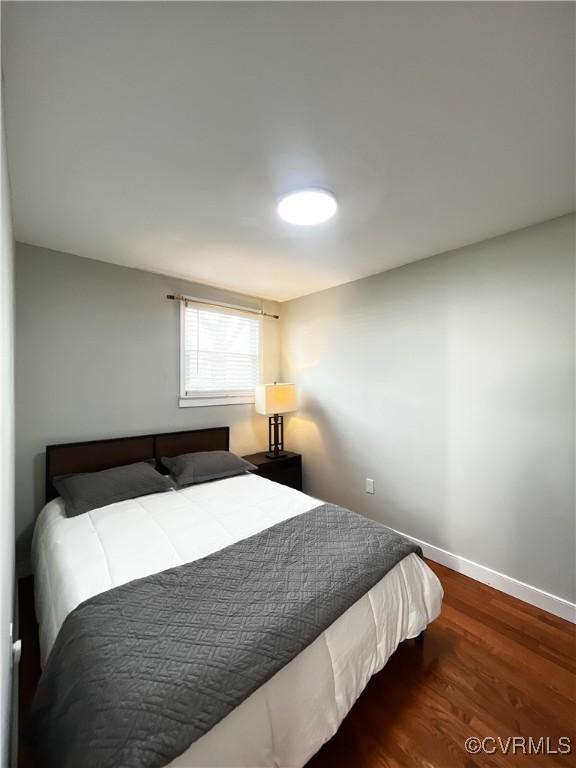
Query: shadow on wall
[
  {"x": 303, "y": 434},
  {"x": 450, "y": 382},
  {"x": 24, "y": 540},
  {"x": 334, "y": 469},
  {"x": 313, "y": 433},
  {"x": 371, "y": 363}
]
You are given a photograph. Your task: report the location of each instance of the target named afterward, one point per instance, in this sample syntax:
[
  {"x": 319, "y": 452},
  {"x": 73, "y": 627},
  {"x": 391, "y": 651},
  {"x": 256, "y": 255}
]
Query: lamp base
[
  {"x": 279, "y": 455},
  {"x": 276, "y": 437}
]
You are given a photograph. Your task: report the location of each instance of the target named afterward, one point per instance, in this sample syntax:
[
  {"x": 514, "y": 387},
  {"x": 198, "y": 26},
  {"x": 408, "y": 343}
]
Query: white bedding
[{"x": 289, "y": 718}]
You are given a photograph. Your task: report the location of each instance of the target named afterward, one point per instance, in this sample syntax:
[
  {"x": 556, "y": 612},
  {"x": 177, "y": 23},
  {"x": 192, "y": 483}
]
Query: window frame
[{"x": 199, "y": 401}]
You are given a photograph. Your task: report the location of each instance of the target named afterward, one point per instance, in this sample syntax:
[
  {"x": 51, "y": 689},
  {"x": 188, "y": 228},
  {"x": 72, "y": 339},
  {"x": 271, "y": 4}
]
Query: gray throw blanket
[{"x": 139, "y": 672}]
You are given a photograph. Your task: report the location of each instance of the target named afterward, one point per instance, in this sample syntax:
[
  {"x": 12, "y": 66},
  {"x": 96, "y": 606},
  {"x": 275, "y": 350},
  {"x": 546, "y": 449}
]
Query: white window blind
[{"x": 220, "y": 352}]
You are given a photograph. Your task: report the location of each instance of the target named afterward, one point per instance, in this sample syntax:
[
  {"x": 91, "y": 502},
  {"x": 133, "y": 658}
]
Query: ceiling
[{"x": 160, "y": 135}]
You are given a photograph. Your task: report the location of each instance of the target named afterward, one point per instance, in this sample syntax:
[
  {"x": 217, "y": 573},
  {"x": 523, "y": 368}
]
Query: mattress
[{"x": 288, "y": 718}]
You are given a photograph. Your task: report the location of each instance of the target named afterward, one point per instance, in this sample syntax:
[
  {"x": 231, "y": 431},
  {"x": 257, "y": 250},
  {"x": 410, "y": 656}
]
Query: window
[{"x": 220, "y": 355}]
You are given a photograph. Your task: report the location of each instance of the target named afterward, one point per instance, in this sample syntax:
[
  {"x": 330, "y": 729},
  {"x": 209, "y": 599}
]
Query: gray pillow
[
  {"x": 92, "y": 490},
  {"x": 192, "y": 468}
]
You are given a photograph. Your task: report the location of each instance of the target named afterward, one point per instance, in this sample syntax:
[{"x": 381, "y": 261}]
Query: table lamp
[{"x": 273, "y": 400}]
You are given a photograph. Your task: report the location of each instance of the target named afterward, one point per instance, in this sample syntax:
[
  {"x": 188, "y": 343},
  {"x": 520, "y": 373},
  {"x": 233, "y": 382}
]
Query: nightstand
[{"x": 286, "y": 470}]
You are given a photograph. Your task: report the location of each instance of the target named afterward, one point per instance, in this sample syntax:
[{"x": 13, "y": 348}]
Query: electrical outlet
[{"x": 369, "y": 487}]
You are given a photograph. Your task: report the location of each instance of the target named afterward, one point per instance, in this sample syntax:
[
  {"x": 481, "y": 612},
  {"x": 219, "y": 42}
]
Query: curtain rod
[{"x": 180, "y": 297}]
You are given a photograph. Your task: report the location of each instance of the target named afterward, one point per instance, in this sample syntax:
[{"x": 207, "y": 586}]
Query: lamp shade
[{"x": 275, "y": 398}]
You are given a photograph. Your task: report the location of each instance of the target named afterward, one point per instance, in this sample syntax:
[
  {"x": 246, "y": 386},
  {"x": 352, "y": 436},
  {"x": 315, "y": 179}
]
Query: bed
[{"x": 288, "y": 718}]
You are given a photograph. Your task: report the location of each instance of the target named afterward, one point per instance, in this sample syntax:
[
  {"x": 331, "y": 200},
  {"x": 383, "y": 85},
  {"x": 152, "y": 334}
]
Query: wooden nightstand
[{"x": 286, "y": 470}]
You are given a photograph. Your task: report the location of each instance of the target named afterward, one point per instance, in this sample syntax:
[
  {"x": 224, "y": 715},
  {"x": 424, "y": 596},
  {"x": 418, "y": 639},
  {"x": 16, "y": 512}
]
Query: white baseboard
[{"x": 532, "y": 595}]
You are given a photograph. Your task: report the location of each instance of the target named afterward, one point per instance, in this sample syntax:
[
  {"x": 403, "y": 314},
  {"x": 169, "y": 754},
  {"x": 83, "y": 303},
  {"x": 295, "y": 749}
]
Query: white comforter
[{"x": 289, "y": 718}]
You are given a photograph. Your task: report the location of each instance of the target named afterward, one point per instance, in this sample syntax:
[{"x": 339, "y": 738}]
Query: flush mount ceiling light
[{"x": 307, "y": 207}]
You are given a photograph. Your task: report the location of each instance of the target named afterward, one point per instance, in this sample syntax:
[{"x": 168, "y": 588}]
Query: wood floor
[{"x": 490, "y": 666}]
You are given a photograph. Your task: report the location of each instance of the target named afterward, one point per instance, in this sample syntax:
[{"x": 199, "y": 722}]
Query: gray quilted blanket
[{"x": 139, "y": 672}]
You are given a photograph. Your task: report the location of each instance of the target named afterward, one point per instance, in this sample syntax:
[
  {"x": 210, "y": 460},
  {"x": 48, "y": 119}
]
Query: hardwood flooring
[{"x": 490, "y": 666}]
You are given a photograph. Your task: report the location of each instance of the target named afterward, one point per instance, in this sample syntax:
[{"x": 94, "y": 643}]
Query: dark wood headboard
[{"x": 92, "y": 456}]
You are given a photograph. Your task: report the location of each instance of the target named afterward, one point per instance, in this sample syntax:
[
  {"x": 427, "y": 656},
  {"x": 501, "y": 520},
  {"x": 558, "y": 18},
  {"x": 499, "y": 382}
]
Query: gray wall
[
  {"x": 6, "y": 450},
  {"x": 451, "y": 383},
  {"x": 97, "y": 354}
]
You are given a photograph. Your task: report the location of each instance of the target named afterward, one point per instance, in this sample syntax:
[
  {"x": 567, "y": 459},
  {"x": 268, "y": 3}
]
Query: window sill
[{"x": 203, "y": 402}]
